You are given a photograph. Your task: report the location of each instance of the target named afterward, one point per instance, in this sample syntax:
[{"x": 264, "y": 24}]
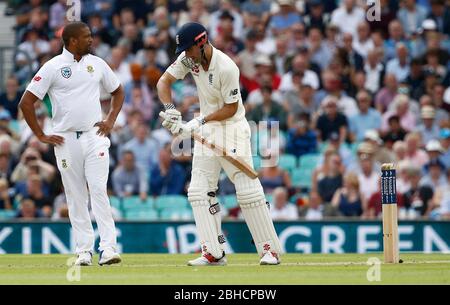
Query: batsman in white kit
[
  {"x": 221, "y": 121},
  {"x": 72, "y": 81}
]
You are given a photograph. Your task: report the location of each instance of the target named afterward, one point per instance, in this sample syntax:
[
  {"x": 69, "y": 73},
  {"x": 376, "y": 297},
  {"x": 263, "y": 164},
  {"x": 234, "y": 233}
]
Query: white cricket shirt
[
  {"x": 74, "y": 89},
  {"x": 217, "y": 86}
]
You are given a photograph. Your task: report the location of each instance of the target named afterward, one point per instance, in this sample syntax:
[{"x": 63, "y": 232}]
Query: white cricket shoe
[
  {"x": 270, "y": 258},
  {"x": 84, "y": 259},
  {"x": 109, "y": 257},
  {"x": 208, "y": 260}
]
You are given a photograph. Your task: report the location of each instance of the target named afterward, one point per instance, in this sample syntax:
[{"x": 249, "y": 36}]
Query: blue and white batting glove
[
  {"x": 171, "y": 117},
  {"x": 186, "y": 130}
]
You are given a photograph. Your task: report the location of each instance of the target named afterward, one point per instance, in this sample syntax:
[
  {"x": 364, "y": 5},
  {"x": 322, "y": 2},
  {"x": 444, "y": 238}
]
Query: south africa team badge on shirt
[
  {"x": 66, "y": 72},
  {"x": 90, "y": 69}
]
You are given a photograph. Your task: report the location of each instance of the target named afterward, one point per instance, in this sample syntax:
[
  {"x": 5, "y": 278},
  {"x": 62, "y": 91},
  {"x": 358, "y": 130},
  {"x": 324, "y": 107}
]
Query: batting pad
[
  {"x": 252, "y": 201},
  {"x": 207, "y": 228}
]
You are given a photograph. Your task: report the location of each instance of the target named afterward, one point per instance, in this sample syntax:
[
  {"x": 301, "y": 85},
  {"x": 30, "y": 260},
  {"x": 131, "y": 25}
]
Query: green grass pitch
[{"x": 241, "y": 269}]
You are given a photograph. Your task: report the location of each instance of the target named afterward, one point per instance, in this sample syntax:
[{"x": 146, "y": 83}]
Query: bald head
[
  {"x": 77, "y": 39},
  {"x": 72, "y": 30}
]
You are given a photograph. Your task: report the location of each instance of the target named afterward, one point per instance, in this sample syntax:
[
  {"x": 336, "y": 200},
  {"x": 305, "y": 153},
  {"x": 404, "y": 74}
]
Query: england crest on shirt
[{"x": 66, "y": 72}]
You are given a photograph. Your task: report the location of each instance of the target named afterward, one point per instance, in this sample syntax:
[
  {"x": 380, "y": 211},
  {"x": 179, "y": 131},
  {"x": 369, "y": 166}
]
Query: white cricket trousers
[{"x": 83, "y": 161}]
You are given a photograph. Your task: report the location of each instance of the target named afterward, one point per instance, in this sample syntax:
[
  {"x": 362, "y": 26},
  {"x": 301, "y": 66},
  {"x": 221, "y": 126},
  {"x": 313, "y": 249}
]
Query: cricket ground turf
[{"x": 241, "y": 269}]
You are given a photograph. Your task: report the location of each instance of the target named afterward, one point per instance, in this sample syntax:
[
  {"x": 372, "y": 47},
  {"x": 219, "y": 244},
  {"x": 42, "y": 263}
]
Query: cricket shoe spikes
[
  {"x": 109, "y": 257},
  {"x": 208, "y": 260},
  {"x": 84, "y": 259},
  {"x": 270, "y": 258}
]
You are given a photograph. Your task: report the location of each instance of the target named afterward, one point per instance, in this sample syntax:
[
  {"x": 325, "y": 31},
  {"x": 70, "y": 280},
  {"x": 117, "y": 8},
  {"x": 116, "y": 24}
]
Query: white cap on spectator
[
  {"x": 427, "y": 112},
  {"x": 429, "y": 25},
  {"x": 372, "y": 135},
  {"x": 285, "y": 2},
  {"x": 263, "y": 60},
  {"x": 447, "y": 96},
  {"x": 307, "y": 81},
  {"x": 434, "y": 145}
]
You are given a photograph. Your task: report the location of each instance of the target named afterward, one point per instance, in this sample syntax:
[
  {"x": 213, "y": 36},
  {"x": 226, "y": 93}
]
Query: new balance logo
[{"x": 234, "y": 92}]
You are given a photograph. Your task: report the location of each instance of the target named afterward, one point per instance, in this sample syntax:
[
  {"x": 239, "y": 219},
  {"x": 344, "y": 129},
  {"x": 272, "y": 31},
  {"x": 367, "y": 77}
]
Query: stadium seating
[
  {"x": 256, "y": 162},
  {"x": 116, "y": 202},
  {"x": 288, "y": 162},
  {"x": 229, "y": 201},
  {"x": 7, "y": 214},
  {"x": 302, "y": 178},
  {"x": 308, "y": 161},
  {"x": 142, "y": 214},
  {"x": 175, "y": 202},
  {"x": 135, "y": 202}
]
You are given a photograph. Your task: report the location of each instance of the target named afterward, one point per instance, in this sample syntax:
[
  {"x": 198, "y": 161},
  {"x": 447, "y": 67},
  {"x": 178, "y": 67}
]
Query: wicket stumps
[{"x": 389, "y": 206}]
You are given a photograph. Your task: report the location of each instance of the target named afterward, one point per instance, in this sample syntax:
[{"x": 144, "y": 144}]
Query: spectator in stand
[
  {"x": 411, "y": 16},
  {"x": 355, "y": 59},
  {"x": 440, "y": 13},
  {"x": 382, "y": 154},
  {"x": 368, "y": 118},
  {"x": 300, "y": 67},
  {"x": 225, "y": 41},
  {"x": 245, "y": 58},
  {"x": 418, "y": 200},
  {"x": 28, "y": 210},
  {"x": 197, "y": 12},
  {"x": 386, "y": 95},
  {"x": 330, "y": 177},
  {"x": 300, "y": 101},
  {"x": 284, "y": 18},
  {"x": 265, "y": 76},
  {"x": 118, "y": 64},
  {"x": 315, "y": 209},
  {"x": 375, "y": 71},
  {"x": 281, "y": 209},
  {"x": 399, "y": 65},
  {"x": 445, "y": 143},
  {"x": 9, "y": 99},
  {"x": 238, "y": 20},
  {"x": 400, "y": 107},
  {"x": 331, "y": 121},
  {"x": 318, "y": 50},
  {"x": 396, "y": 35},
  {"x": 365, "y": 152},
  {"x": 167, "y": 177},
  {"x": 128, "y": 179},
  {"x": 348, "y": 16},
  {"x": 144, "y": 146},
  {"x": 362, "y": 42},
  {"x": 436, "y": 177},
  {"x": 394, "y": 133},
  {"x": 34, "y": 188},
  {"x": 349, "y": 200},
  {"x": 400, "y": 149},
  {"x": 414, "y": 153},
  {"x": 7, "y": 161},
  {"x": 58, "y": 11},
  {"x": 301, "y": 139},
  {"x": 341, "y": 148},
  {"x": 368, "y": 172},
  {"x": 434, "y": 150},
  {"x": 440, "y": 115},
  {"x": 31, "y": 161},
  {"x": 317, "y": 17},
  {"x": 428, "y": 130},
  {"x": 6, "y": 200},
  {"x": 268, "y": 111},
  {"x": 272, "y": 176},
  {"x": 441, "y": 200}
]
